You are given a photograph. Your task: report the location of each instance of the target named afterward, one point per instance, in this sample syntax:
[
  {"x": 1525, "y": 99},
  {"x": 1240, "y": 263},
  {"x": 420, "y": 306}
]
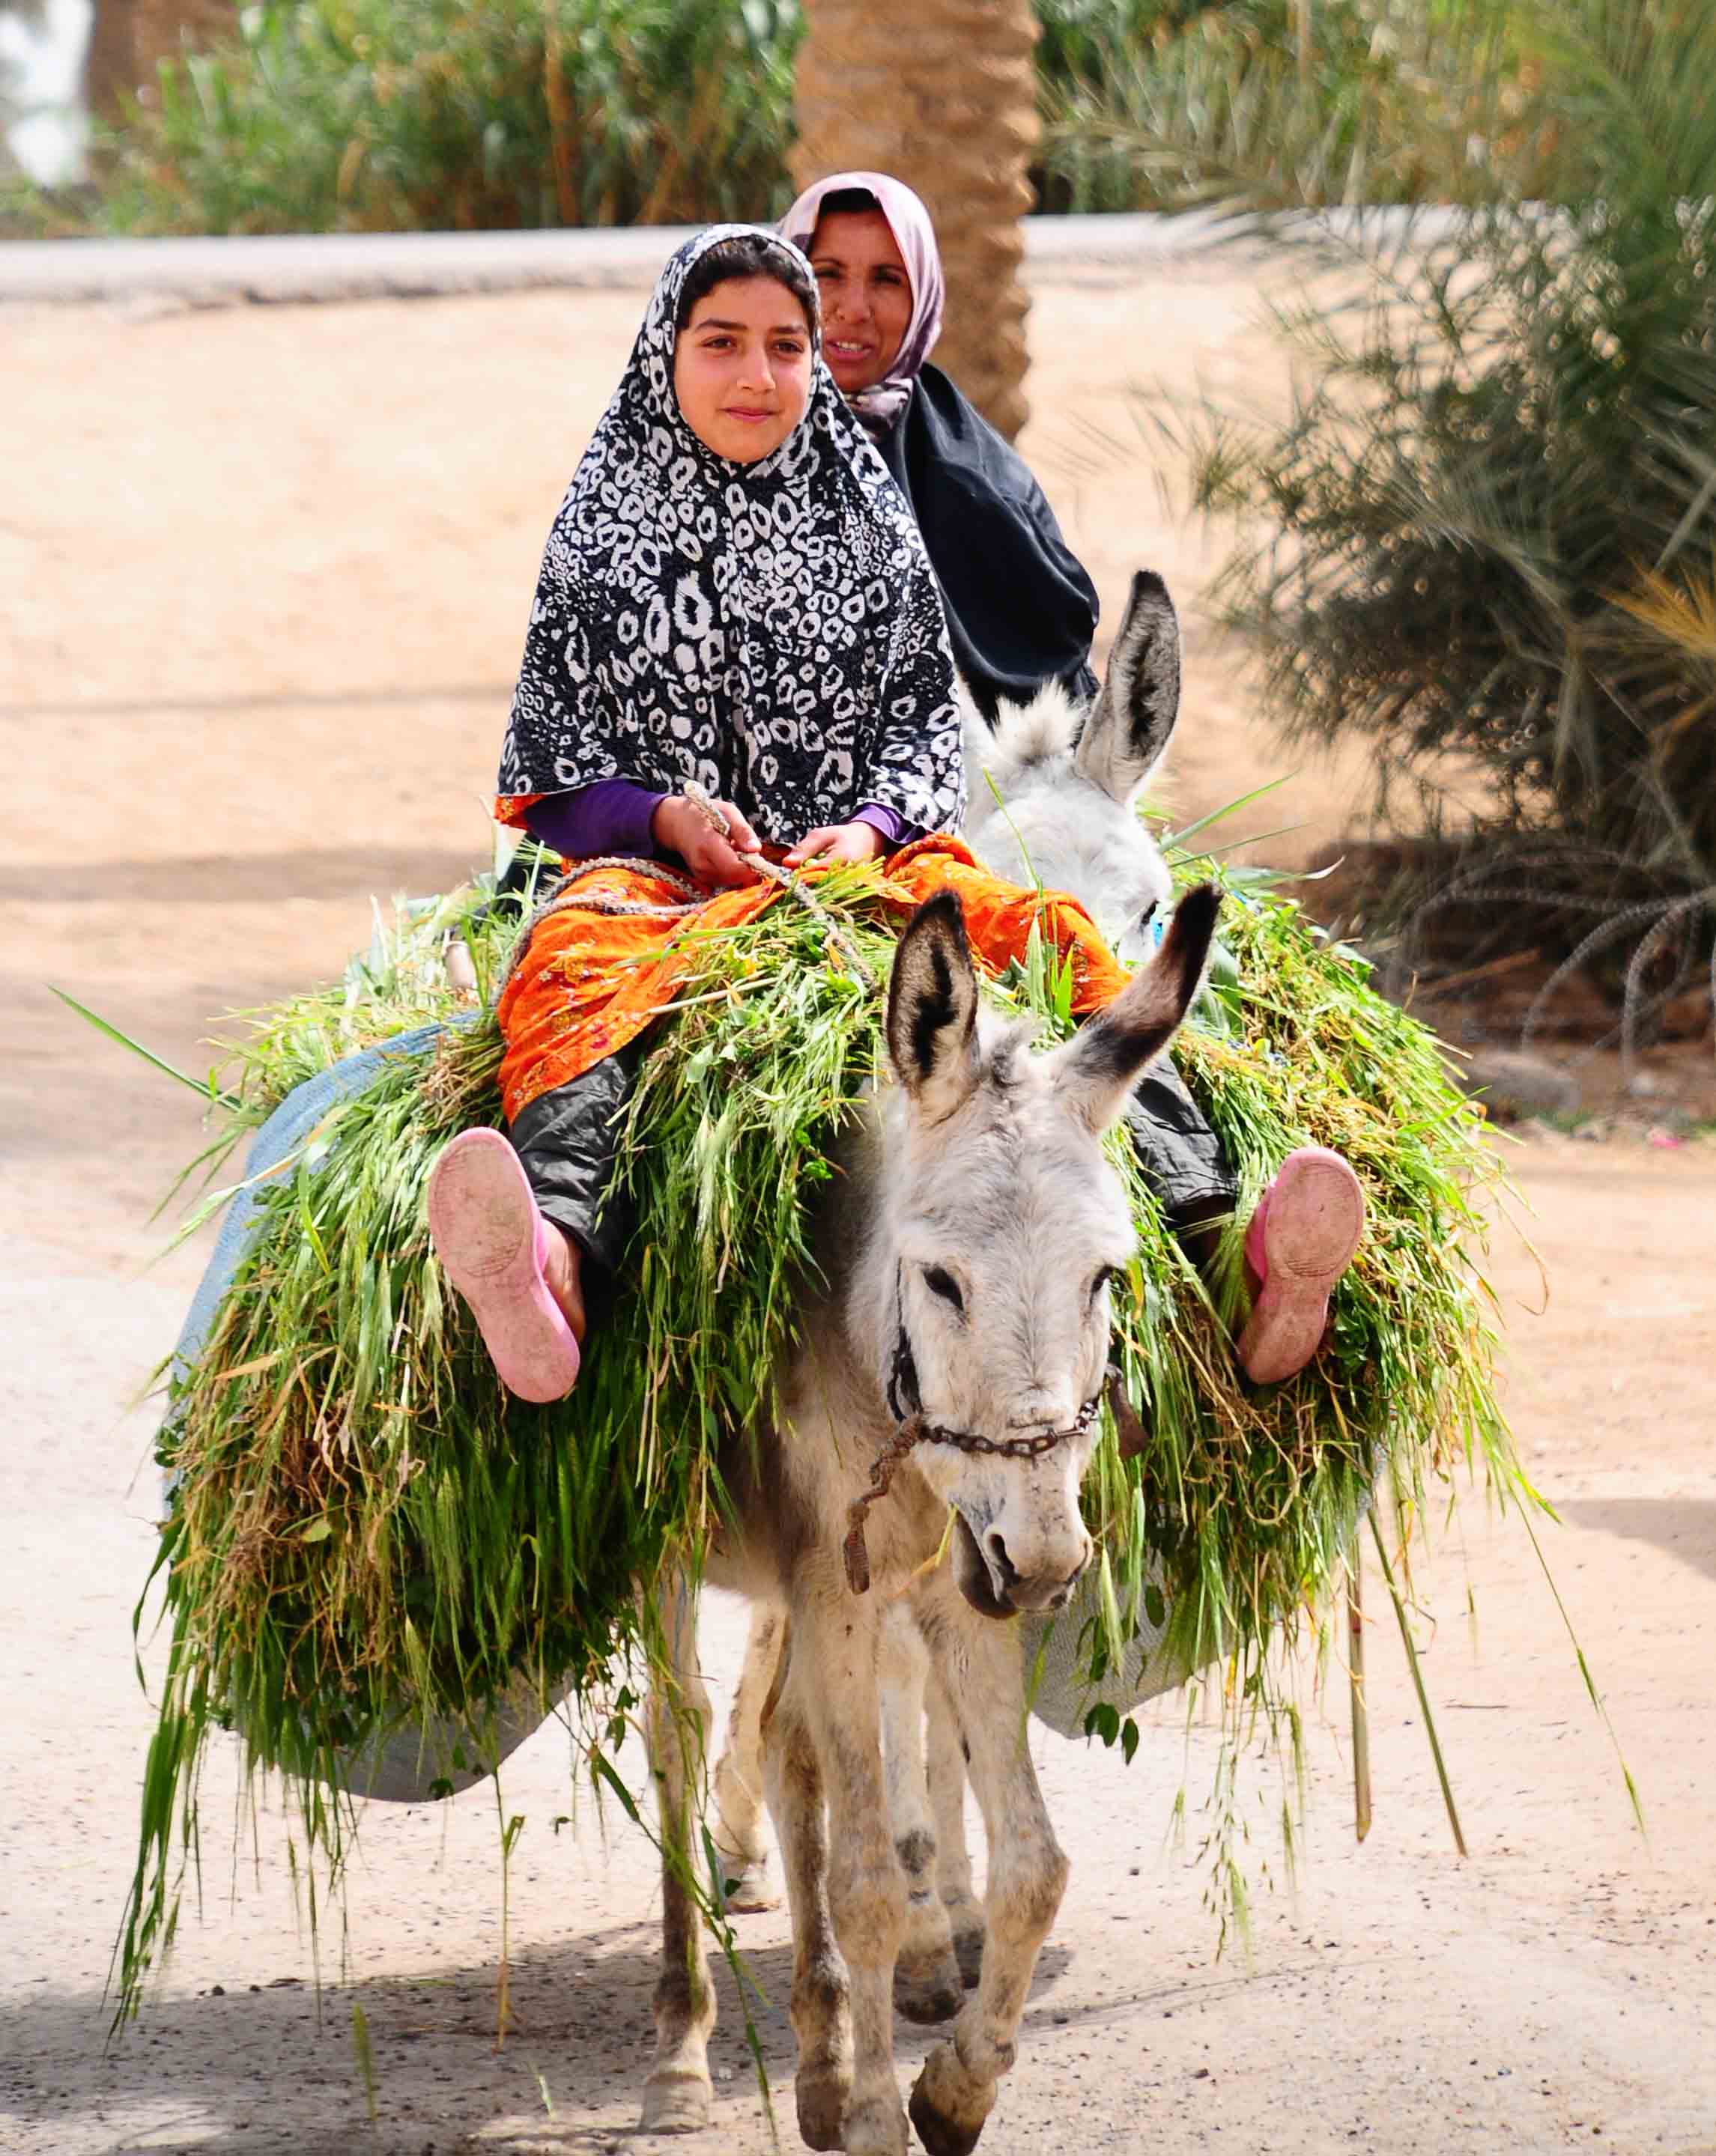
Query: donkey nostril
[{"x": 1000, "y": 1564}]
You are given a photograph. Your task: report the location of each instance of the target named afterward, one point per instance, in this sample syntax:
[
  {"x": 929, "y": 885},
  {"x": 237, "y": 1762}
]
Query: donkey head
[
  {"x": 1068, "y": 782},
  {"x": 1000, "y": 1225}
]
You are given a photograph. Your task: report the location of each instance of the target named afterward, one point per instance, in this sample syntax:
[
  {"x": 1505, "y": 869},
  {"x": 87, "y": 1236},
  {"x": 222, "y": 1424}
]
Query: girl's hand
[
  {"x": 679, "y": 826},
  {"x": 836, "y": 846}
]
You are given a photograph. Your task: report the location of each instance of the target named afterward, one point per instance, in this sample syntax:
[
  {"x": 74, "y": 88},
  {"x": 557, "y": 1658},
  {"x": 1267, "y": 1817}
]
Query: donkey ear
[
  {"x": 932, "y": 1019},
  {"x": 1131, "y": 720},
  {"x": 1099, "y": 1066}
]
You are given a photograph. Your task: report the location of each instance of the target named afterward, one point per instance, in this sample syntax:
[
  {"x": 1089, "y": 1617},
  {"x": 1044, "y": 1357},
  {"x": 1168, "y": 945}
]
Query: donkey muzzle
[{"x": 987, "y": 1575}]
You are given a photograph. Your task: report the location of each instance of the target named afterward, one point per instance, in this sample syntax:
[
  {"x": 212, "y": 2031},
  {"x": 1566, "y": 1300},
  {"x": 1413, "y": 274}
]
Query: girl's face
[
  {"x": 867, "y": 296},
  {"x": 742, "y": 367}
]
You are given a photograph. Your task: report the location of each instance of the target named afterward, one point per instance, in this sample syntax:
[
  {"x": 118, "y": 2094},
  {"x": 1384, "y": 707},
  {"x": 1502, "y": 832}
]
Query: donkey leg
[
  {"x": 927, "y": 1985},
  {"x": 945, "y": 1755},
  {"x": 677, "y": 2096},
  {"x": 821, "y": 2012},
  {"x": 1027, "y": 1877},
  {"x": 833, "y": 1679},
  {"x": 737, "y": 1832}
]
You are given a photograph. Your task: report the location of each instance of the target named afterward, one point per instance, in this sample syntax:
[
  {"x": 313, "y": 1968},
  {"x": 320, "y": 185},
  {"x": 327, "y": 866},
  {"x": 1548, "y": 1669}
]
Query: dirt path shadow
[{"x": 1685, "y": 1527}]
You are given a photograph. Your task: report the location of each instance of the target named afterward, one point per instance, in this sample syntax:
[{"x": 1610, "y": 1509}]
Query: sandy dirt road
[{"x": 263, "y": 575}]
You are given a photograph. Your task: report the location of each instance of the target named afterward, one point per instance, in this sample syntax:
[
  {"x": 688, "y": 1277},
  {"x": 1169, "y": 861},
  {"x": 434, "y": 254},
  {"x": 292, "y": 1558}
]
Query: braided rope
[
  {"x": 789, "y": 881},
  {"x": 914, "y": 1431},
  {"x": 566, "y": 898},
  {"x": 906, "y": 1435}
]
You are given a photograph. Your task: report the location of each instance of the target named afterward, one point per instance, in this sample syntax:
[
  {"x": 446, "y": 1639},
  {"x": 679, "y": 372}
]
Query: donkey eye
[{"x": 944, "y": 1284}]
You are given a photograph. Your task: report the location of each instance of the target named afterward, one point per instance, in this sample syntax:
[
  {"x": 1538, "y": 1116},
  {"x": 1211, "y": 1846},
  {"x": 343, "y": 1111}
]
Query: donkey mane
[{"x": 1027, "y": 735}]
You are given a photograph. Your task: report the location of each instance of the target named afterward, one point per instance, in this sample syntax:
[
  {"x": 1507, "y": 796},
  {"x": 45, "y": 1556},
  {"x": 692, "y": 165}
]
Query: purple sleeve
[
  {"x": 611, "y": 816},
  {"x": 894, "y": 830}
]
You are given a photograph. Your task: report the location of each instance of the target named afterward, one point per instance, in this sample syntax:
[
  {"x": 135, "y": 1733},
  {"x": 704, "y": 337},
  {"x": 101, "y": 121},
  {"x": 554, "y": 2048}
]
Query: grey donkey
[
  {"x": 1053, "y": 793},
  {"x": 963, "y": 1329}
]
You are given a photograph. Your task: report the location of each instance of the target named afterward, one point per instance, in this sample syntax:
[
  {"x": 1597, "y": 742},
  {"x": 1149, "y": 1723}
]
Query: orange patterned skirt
[{"x": 590, "y": 981}]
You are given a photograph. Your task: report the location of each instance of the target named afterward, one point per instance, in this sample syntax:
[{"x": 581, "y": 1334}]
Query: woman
[
  {"x": 733, "y": 595},
  {"x": 1021, "y": 613}
]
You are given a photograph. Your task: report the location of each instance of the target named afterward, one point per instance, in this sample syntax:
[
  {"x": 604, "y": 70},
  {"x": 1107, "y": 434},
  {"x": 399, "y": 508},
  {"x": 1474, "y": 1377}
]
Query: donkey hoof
[
  {"x": 676, "y": 2101},
  {"x": 748, "y": 1887},
  {"x": 822, "y": 2097},
  {"x": 877, "y": 2128},
  {"x": 929, "y": 1990},
  {"x": 947, "y": 2107}
]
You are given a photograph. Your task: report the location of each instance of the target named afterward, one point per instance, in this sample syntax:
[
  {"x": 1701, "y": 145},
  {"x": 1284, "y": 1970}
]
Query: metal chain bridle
[{"x": 912, "y": 1428}]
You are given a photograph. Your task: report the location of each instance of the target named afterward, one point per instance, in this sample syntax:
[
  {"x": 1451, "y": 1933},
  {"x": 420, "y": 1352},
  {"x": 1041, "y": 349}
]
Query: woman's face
[
  {"x": 867, "y": 296},
  {"x": 742, "y": 367}
]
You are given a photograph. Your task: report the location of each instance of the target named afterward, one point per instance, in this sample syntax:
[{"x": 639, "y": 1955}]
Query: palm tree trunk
[
  {"x": 943, "y": 94},
  {"x": 129, "y": 39}
]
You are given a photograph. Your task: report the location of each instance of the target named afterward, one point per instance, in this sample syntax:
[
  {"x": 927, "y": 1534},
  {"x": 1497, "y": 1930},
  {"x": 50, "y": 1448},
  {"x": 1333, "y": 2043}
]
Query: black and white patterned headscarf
[{"x": 773, "y": 631}]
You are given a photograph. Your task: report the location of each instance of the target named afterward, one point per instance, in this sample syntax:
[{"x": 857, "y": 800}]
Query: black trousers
[
  {"x": 568, "y": 1141},
  {"x": 1180, "y": 1154}
]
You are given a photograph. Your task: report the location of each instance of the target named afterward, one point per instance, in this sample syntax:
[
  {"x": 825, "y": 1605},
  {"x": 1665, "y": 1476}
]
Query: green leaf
[
  {"x": 1102, "y": 1721},
  {"x": 601, "y": 1768},
  {"x": 204, "y": 1089}
]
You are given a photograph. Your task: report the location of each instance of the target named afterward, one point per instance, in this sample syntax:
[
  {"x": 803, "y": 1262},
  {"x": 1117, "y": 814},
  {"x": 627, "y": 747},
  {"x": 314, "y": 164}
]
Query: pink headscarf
[{"x": 882, "y": 404}]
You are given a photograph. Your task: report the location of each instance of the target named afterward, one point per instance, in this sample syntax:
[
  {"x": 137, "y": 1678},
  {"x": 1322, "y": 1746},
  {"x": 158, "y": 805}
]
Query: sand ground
[{"x": 263, "y": 577}]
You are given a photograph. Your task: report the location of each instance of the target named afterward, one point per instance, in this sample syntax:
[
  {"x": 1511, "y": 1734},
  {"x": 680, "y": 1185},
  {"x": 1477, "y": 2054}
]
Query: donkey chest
[{"x": 792, "y": 1488}]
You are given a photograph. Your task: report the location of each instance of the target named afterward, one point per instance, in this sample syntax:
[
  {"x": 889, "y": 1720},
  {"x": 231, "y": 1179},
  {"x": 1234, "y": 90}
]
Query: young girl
[{"x": 733, "y": 594}]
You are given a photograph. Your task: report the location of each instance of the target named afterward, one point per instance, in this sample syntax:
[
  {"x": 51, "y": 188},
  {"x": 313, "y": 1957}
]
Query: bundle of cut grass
[
  {"x": 1248, "y": 1498},
  {"x": 365, "y": 1532}
]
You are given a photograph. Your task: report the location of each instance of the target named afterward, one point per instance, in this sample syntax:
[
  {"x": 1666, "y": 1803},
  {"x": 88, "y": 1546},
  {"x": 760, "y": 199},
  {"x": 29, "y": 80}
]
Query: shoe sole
[
  {"x": 1312, "y": 1227},
  {"x": 483, "y": 1222}
]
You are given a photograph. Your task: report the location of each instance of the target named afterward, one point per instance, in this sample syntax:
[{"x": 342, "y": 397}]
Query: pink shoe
[
  {"x": 1301, "y": 1240},
  {"x": 492, "y": 1243}
]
